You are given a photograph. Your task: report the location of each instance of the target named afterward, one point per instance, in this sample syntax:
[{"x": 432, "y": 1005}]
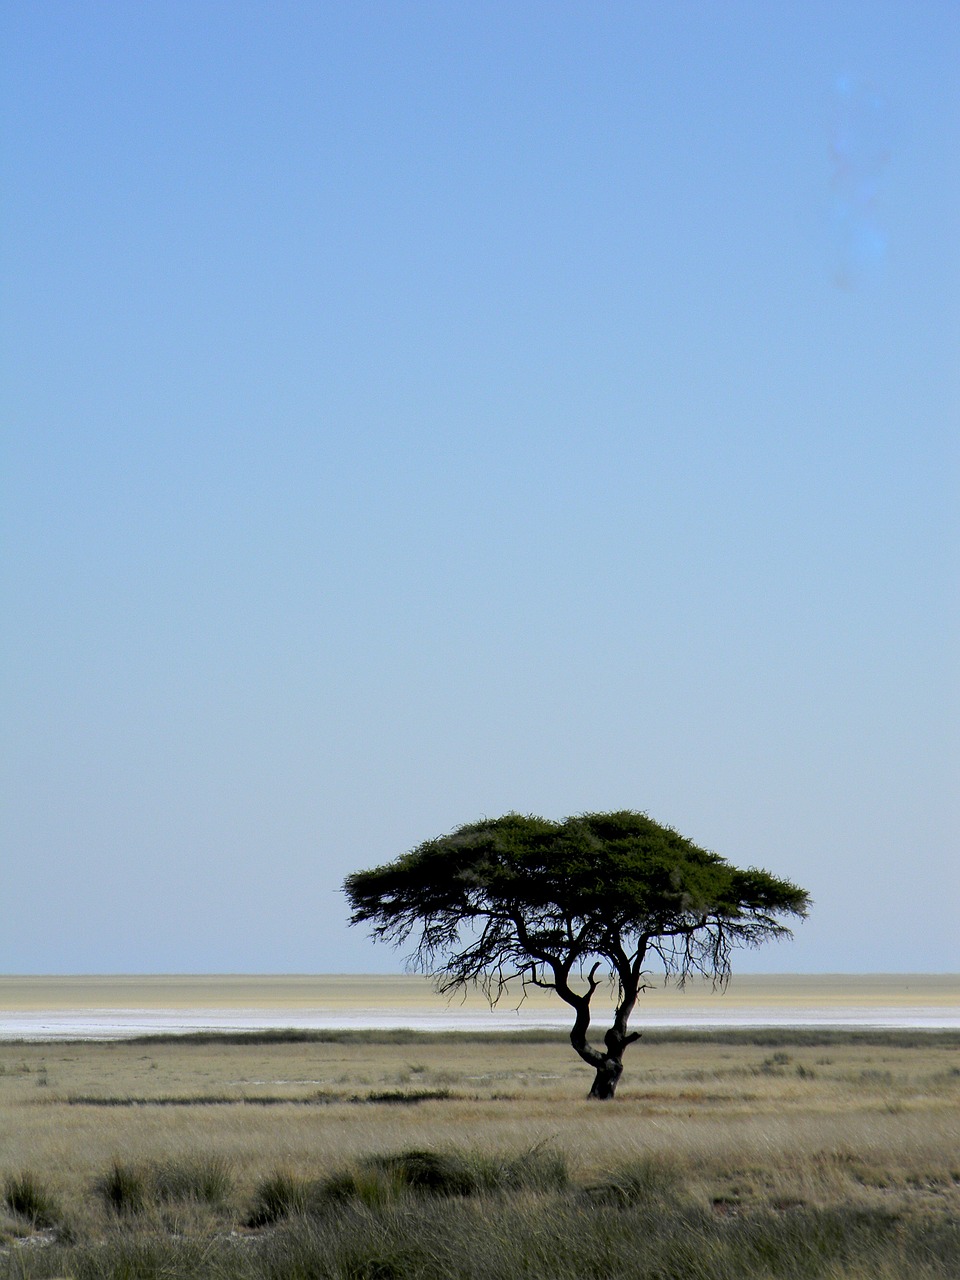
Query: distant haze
[
  {"x": 117, "y": 1007},
  {"x": 418, "y": 412}
]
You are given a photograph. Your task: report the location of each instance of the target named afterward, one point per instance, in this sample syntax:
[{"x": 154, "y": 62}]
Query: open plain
[
  {"x": 766, "y": 1152},
  {"x": 95, "y": 1007}
]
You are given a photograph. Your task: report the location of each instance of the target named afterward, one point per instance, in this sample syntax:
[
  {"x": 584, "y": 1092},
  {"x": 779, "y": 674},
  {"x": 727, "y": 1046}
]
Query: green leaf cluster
[{"x": 524, "y": 896}]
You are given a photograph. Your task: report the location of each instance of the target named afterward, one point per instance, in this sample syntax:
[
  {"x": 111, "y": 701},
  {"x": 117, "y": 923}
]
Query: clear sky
[{"x": 418, "y": 411}]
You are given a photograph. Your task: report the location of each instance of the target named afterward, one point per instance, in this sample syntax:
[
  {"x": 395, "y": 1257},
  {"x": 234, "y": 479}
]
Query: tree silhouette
[{"x": 567, "y": 905}]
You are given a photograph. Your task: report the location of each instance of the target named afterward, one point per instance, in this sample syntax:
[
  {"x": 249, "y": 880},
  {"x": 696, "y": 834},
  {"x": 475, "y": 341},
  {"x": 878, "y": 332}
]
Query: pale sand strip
[{"x": 118, "y": 1005}]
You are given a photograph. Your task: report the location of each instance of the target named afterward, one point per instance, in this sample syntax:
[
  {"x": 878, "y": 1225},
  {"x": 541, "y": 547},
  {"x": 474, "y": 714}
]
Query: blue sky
[{"x": 421, "y": 411}]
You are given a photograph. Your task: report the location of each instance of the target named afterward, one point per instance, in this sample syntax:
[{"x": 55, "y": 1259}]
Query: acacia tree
[{"x": 568, "y": 905}]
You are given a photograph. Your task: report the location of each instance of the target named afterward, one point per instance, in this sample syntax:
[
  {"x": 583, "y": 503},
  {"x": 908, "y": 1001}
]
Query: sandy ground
[{"x": 113, "y": 1006}]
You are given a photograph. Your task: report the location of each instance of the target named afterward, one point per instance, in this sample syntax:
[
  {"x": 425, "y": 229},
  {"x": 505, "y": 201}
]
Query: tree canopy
[{"x": 565, "y": 905}]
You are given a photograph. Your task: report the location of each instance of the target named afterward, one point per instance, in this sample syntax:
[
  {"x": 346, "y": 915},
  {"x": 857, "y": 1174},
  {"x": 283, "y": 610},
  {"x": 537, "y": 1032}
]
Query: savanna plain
[{"x": 373, "y": 1155}]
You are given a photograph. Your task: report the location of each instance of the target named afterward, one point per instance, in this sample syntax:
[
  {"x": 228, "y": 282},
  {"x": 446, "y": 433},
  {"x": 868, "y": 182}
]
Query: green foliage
[
  {"x": 597, "y": 885},
  {"x": 545, "y": 903}
]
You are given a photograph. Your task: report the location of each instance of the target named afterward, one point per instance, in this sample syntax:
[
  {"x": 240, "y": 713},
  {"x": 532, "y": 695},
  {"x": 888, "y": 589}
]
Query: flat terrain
[
  {"x": 872, "y": 1120},
  {"x": 848, "y": 1142},
  {"x": 54, "y": 1007}
]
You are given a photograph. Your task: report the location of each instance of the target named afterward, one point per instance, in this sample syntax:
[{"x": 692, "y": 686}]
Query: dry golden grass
[{"x": 745, "y": 1124}]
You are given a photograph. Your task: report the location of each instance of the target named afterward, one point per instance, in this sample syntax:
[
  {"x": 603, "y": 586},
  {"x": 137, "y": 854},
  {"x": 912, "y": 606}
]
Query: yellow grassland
[{"x": 868, "y": 1123}]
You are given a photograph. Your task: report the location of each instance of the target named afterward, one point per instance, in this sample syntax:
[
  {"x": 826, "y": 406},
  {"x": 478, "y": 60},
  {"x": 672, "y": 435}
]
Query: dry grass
[
  {"x": 721, "y": 1159},
  {"x": 851, "y": 1122}
]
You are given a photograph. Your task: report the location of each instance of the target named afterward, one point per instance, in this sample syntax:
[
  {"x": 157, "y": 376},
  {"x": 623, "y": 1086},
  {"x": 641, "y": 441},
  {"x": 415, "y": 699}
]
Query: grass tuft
[
  {"x": 649, "y": 1180},
  {"x": 380, "y": 1179},
  {"x": 29, "y": 1197},
  {"x": 707, "y": 1166},
  {"x": 123, "y": 1188},
  {"x": 278, "y": 1196},
  {"x": 201, "y": 1180},
  {"x": 406, "y": 1097}
]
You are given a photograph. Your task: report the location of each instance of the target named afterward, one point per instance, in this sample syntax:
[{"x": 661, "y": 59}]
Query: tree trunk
[
  {"x": 607, "y": 1078},
  {"x": 608, "y": 1065}
]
